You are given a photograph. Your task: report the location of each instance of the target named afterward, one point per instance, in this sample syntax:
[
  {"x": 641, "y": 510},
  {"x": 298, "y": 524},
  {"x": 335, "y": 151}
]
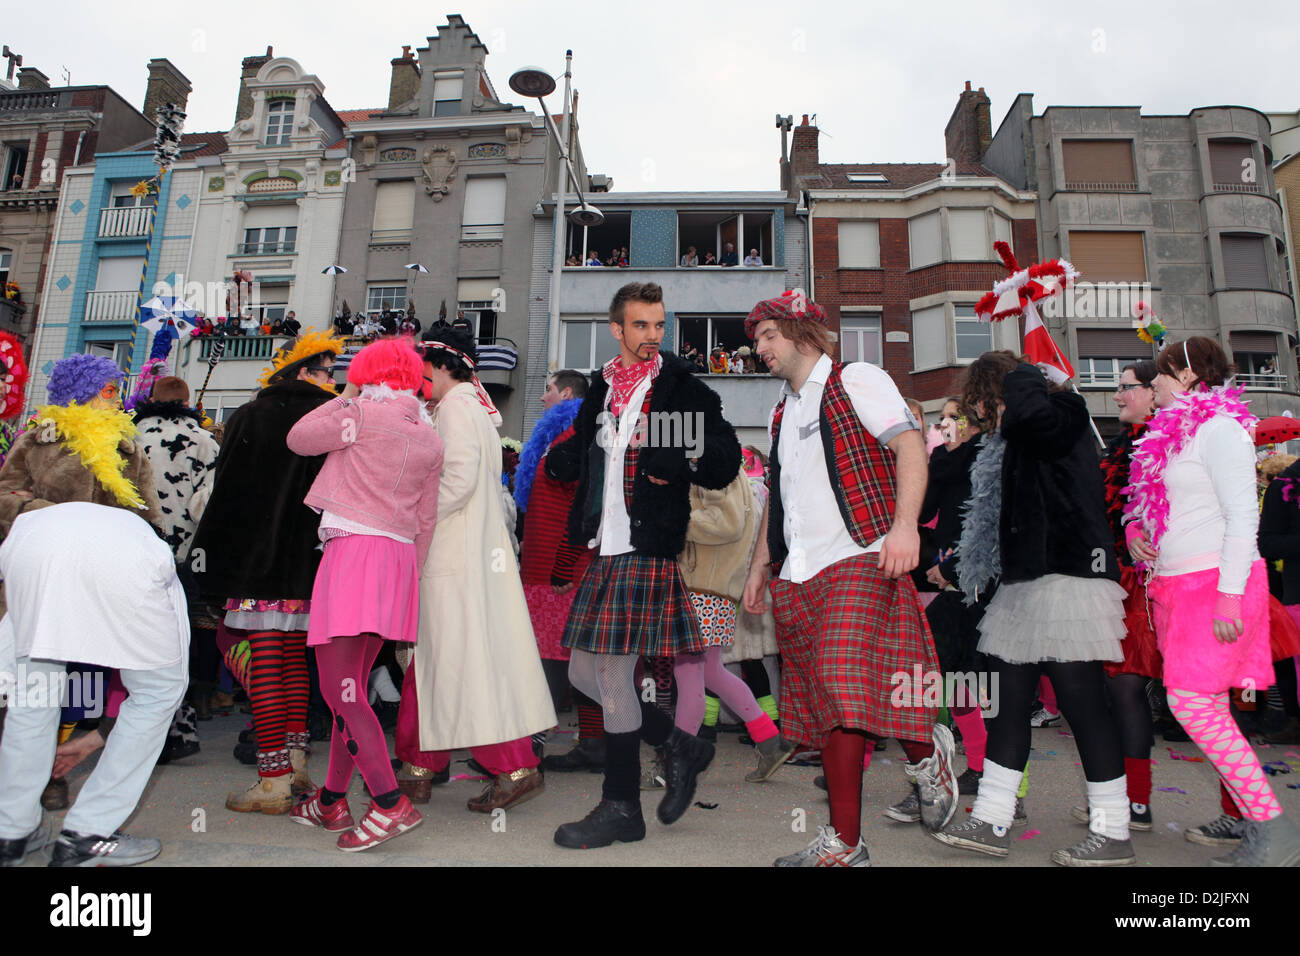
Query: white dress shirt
[{"x": 615, "y": 533}]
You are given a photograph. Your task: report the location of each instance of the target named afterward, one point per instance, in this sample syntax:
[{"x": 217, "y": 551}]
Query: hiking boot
[
  {"x": 936, "y": 782},
  {"x": 301, "y": 783},
  {"x": 770, "y": 762},
  {"x": 271, "y": 795},
  {"x": 968, "y": 784},
  {"x": 611, "y": 820},
  {"x": 685, "y": 758},
  {"x": 1097, "y": 849},
  {"x": 508, "y": 789},
  {"x": 976, "y": 835},
  {"x": 587, "y": 754},
  {"x": 907, "y": 810},
  {"x": 827, "y": 849},
  {"x": 86, "y": 849},
  {"x": 1226, "y": 831},
  {"x": 1273, "y": 842},
  {"x": 12, "y": 852}
]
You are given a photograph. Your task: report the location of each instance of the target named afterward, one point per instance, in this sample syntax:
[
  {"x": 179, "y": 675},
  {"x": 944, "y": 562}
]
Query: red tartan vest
[{"x": 861, "y": 471}]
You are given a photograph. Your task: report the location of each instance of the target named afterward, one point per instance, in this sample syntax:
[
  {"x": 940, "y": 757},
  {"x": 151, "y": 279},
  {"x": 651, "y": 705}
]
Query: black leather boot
[
  {"x": 685, "y": 758},
  {"x": 611, "y": 820},
  {"x": 587, "y": 754}
]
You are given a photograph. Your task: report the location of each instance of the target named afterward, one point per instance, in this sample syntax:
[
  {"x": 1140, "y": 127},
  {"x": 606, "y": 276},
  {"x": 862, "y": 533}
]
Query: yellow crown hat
[{"x": 293, "y": 354}]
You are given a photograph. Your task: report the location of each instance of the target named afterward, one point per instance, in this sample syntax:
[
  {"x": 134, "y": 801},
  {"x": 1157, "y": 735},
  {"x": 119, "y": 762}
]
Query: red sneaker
[
  {"x": 309, "y": 811},
  {"x": 379, "y": 825}
]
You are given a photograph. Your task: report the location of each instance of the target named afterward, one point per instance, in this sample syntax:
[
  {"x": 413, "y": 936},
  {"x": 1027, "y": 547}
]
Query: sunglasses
[{"x": 1128, "y": 386}]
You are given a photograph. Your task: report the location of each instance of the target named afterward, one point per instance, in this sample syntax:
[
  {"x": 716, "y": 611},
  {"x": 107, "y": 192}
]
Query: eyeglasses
[{"x": 1129, "y": 385}]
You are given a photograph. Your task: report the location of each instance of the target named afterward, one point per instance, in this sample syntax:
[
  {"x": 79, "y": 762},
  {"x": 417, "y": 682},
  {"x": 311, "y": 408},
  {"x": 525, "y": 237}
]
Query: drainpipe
[{"x": 45, "y": 301}]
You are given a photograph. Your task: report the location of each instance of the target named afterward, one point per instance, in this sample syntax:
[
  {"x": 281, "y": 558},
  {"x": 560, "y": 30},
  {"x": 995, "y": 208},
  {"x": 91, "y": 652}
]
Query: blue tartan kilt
[{"x": 633, "y": 604}]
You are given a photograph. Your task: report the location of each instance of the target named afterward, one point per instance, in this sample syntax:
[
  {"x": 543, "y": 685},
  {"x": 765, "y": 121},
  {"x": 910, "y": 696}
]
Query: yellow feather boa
[{"x": 94, "y": 434}]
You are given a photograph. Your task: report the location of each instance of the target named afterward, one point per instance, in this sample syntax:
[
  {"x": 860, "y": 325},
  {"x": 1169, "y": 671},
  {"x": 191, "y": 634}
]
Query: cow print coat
[{"x": 182, "y": 454}]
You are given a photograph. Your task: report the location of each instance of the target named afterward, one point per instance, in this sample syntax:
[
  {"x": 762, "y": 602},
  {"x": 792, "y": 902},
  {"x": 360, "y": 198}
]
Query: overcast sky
[{"x": 684, "y": 95}]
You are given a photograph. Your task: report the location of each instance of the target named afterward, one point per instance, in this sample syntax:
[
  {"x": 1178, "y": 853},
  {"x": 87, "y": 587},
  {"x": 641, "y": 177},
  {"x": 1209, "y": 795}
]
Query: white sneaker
[
  {"x": 936, "y": 782},
  {"x": 827, "y": 849},
  {"x": 1043, "y": 717}
]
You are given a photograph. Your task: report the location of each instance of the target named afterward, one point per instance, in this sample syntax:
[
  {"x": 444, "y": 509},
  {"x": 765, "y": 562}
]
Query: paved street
[{"x": 184, "y": 807}]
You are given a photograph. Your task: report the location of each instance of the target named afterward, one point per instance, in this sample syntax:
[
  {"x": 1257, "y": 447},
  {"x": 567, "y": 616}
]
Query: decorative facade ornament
[
  {"x": 333, "y": 177},
  {"x": 398, "y": 154},
  {"x": 487, "y": 151},
  {"x": 216, "y": 184},
  {"x": 369, "y": 148},
  {"x": 439, "y": 165}
]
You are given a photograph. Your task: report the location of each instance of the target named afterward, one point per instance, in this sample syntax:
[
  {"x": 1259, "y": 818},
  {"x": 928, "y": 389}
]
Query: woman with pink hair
[{"x": 378, "y": 498}]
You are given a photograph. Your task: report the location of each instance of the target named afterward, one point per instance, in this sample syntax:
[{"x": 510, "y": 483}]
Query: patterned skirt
[
  {"x": 717, "y": 617},
  {"x": 633, "y": 604},
  {"x": 548, "y": 612}
]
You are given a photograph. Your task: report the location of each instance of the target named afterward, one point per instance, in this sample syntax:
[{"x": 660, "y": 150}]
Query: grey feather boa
[{"x": 979, "y": 550}]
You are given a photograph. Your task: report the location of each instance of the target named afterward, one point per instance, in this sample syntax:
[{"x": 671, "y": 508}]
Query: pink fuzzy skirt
[
  {"x": 1183, "y": 611},
  {"x": 548, "y": 611},
  {"x": 366, "y": 584}
]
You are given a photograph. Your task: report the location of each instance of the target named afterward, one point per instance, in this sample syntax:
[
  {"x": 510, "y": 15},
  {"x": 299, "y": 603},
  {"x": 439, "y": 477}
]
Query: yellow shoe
[{"x": 270, "y": 795}]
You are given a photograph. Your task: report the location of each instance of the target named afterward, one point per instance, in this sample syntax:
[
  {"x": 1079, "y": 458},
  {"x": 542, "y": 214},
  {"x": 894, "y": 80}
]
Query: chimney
[
  {"x": 803, "y": 151},
  {"x": 969, "y": 131},
  {"x": 248, "y": 70},
  {"x": 166, "y": 85},
  {"x": 405, "y": 83},
  {"x": 30, "y": 78}
]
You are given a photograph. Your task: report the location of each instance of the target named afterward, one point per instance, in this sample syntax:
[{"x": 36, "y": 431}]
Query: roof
[
  {"x": 349, "y": 117},
  {"x": 897, "y": 175},
  {"x": 209, "y": 144}
]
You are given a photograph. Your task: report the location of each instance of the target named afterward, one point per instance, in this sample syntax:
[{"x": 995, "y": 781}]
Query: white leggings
[{"x": 611, "y": 680}]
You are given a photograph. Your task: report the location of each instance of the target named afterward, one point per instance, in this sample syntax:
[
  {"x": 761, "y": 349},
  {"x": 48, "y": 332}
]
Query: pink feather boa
[{"x": 1167, "y": 434}]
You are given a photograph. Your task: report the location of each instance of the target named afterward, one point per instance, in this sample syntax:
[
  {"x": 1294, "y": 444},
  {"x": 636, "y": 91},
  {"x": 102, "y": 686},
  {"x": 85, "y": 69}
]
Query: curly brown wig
[{"x": 982, "y": 390}]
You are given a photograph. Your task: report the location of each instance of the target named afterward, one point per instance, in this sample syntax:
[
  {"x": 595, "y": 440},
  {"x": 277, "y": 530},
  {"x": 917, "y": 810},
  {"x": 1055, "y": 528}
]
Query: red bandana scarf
[{"x": 624, "y": 381}]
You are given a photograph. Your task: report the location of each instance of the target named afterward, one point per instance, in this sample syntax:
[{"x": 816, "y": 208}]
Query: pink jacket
[{"x": 382, "y": 465}]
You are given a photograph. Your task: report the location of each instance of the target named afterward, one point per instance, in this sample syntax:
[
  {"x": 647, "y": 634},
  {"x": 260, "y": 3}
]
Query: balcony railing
[
  {"x": 1258, "y": 380},
  {"x": 264, "y": 248},
  {"x": 394, "y": 237},
  {"x": 1103, "y": 187},
  {"x": 111, "y": 306},
  {"x": 1237, "y": 188},
  {"x": 22, "y": 100},
  {"x": 121, "y": 221},
  {"x": 240, "y": 346}
]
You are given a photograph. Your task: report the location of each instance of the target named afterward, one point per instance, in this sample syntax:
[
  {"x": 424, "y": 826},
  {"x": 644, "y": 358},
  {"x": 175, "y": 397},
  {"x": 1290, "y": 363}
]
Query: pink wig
[{"x": 391, "y": 362}]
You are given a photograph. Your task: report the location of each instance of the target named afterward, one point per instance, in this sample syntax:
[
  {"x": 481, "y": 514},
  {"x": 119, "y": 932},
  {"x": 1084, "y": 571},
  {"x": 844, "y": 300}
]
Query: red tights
[
  {"x": 842, "y": 755},
  {"x": 278, "y": 686}
]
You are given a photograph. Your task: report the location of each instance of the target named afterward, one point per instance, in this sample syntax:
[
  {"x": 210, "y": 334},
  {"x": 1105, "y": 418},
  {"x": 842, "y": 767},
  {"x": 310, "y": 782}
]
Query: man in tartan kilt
[
  {"x": 847, "y": 478},
  {"x": 647, "y": 430}
]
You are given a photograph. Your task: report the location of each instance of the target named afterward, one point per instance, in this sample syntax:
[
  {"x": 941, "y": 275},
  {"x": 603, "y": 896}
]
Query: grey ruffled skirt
[{"x": 1057, "y": 617}]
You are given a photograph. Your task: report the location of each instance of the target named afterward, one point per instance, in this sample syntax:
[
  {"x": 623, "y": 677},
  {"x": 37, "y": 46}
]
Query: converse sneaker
[
  {"x": 1021, "y": 819},
  {"x": 976, "y": 835},
  {"x": 1226, "y": 831},
  {"x": 1043, "y": 717},
  {"x": 1273, "y": 842},
  {"x": 1097, "y": 849},
  {"x": 907, "y": 810},
  {"x": 1139, "y": 816},
  {"x": 937, "y": 782},
  {"x": 968, "y": 784},
  {"x": 87, "y": 849},
  {"x": 827, "y": 849},
  {"x": 771, "y": 761}
]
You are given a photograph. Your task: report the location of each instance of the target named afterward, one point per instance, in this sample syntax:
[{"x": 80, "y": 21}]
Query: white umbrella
[
  {"x": 155, "y": 314},
  {"x": 416, "y": 267},
  {"x": 333, "y": 270}
]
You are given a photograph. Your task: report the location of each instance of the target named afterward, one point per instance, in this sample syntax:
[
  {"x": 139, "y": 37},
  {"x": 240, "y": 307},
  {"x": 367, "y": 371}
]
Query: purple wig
[{"x": 79, "y": 378}]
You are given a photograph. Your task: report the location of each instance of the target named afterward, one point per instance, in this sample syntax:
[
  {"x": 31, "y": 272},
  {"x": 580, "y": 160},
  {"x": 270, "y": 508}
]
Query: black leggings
[
  {"x": 1081, "y": 693},
  {"x": 1128, "y": 702}
]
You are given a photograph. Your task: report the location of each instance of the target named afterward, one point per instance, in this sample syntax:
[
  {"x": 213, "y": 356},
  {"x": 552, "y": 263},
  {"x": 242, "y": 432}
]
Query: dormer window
[
  {"x": 279, "y": 122},
  {"x": 867, "y": 178},
  {"x": 448, "y": 90}
]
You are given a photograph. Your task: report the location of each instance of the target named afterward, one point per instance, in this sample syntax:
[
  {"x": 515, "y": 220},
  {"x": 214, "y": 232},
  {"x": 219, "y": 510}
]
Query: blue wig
[{"x": 79, "y": 378}]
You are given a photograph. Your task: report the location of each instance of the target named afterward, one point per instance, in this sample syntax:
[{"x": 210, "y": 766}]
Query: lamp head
[
  {"x": 586, "y": 215},
  {"x": 532, "y": 81}
]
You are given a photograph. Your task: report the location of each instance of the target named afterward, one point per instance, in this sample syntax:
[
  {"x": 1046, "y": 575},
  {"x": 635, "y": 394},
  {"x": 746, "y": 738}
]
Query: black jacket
[
  {"x": 258, "y": 539},
  {"x": 659, "y": 513},
  {"x": 946, "y": 495},
  {"x": 1053, "y": 507},
  {"x": 1279, "y": 530}
]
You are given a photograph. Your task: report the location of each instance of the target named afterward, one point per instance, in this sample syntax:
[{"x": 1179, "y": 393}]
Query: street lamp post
[{"x": 535, "y": 82}]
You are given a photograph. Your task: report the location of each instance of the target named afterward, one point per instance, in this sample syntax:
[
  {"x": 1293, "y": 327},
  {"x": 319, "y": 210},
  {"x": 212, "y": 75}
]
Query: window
[
  {"x": 1232, "y": 165},
  {"x": 867, "y": 178},
  {"x": 968, "y": 234},
  {"x": 279, "y": 122},
  {"x": 860, "y": 338},
  {"x": 588, "y": 344},
  {"x": 929, "y": 337},
  {"x": 1245, "y": 261},
  {"x": 1256, "y": 357},
  {"x": 859, "y": 244},
  {"x": 1002, "y": 230},
  {"x": 15, "y": 166},
  {"x": 1108, "y": 256},
  {"x": 1098, "y": 164},
  {"x": 1103, "y": 353},
  {"x": 485, "y": 208},
  {"x": 923, "y": 239},
  {"x": 709, "y": 232},
  {"x": 394, "y": 210},
  {"x": 380, "y": 297},
  {"x": 707, "y": 332},
  {"x": 270, "y": 239},
  {"x": 6, "y": 265},
  {"x": 120, "y": 273},
  {"x": 121, "y": 197},
  {"x": 478, "y": 301},
  {"x": 974, "y": 337},
  {"x": 271, "y": 302},
  {"x": 448, "y": 89},
  {"x": 113, "y": 351}
]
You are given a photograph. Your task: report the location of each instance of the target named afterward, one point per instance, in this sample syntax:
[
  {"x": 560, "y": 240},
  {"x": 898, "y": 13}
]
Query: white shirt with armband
[
  {"x": 1213, "y": 512},
  {"x": 814, "y": 528}
]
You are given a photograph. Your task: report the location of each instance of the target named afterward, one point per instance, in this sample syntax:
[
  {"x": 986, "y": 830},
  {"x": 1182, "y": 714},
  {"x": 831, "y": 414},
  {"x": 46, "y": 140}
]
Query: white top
[
  {"x": 93, "y": 584},
  {"x": 1213, "y": 513},
  {"x": 814, "y": 529},
  {"x": 615, "y": 533},
  {"x": 753, "y": 260}
]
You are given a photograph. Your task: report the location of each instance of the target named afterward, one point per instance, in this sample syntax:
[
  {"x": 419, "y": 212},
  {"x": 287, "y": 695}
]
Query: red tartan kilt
[
  {"x": 844, "y": 635},
  {"x": 1141, "y": 653}
]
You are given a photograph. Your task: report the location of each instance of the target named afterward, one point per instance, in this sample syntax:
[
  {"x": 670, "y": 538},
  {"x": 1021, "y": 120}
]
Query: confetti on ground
[
  {"x": 706, "y": 806},
  {"x": 1174, "y": 826},
  {"x": 886, "y": 761},
  {"x": 1029, "y": 834},
  {"x": 1172, "y": 790},
  {"x": 1293, "y": 786},
  {"x": 1065, "y": 733},
  {"x": 468, "y": 776},
  {"x": 1275, "y": 768}
]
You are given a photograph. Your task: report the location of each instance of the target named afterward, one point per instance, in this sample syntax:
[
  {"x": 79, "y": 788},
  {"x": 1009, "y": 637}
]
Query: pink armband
[
  {"x": 1133, "y": 531},
  {"x": 1227, "y": 607}
]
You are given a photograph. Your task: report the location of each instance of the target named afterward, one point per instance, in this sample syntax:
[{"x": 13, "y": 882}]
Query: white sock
[
  {"x": 382, "y": 684},
  {"x": 996, "y": 802},
  {"x": 1108, "y": 808}
]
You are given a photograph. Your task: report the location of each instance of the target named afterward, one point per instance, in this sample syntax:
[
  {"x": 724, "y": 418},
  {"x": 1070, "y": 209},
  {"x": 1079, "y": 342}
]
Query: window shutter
[
  {"x": 929, "y": 337},
  {"x": 1002, "y": 230},
  {"x": 1265, "y": 342},
  {"x": 476, "y": 290},
  {"x": 394, "y": 206},
  {"x": 485, "y": 201},
  {"x": 1226, "y": 158},
  {"x": 1112, "y": 343},
  {"x": 968, "y": 234},
  {"x": 923, "y": 239},
  {"x": 1101, "y": 162},
  {"x": 1245, "y": 264},
  {"x": 119, "y": 274},
  {"x": 448, "y": 88},
  {"x": 1108, "y": 256},
  {"x": 859, "y": 244},
  {"x": 261, "y": 216}
]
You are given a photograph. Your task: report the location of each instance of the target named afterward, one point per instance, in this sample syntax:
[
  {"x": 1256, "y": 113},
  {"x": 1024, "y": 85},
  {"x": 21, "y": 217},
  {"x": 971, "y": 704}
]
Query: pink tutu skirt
[
  {"x": 366, "y": 584},
  {"x": 1183, "y": 612},
  {"x": 548, "y": 611}
]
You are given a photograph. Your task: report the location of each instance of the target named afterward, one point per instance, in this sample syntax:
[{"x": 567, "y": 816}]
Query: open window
[
  {"x": 710, "y": 232},
  {"x": 15, "y": 169},
  {"x": 592, "y": 244}
]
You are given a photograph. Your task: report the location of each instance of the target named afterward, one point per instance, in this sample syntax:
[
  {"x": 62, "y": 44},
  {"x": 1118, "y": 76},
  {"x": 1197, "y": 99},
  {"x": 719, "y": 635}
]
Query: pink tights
[
  {"x": 358, "y": 740},
  {"x": 970, "y": 721},
  {"x": 1208, "y": 722},
  {"x": 695, "y": 672}
]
